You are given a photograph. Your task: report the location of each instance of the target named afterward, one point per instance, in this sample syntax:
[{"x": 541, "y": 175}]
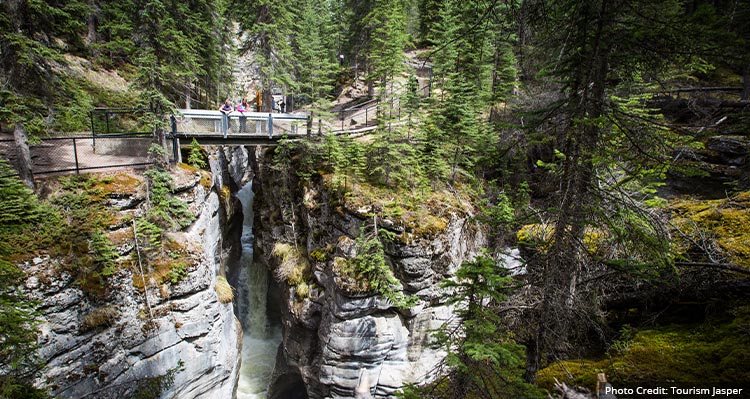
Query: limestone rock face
[
  {"x": 345, "y": 343},
  {"x": 107, "y": 347}
]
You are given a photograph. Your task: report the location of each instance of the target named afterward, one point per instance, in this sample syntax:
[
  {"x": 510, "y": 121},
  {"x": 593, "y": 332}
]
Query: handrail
[{"x": 254, "y": 115}]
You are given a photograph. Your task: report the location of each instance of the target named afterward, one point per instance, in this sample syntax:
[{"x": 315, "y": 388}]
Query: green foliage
[
  {"x": 319, "y": 255},
  {"x": 12, "y": 388},
  {"x": 393, "y": 162},
  {"x": 19, "y": 211},
  {"x": 483, "y": 360},
  {"x": 369, "y": 266},
  {"x": 269, "y": 26},
  {"x": 386, "y": 24},
  {"x": 18, "y": 322},
  {"x": 152, "y": 388},
  {"x": 165, "y": 211},
  {"x": 315, "y": 60},
  {"x": 69, "y": 226},
  {"x": 177, "y": 272},
  {"x": 104, "y": 253},
  {"x": 711, "y": 353},
  {"x": 197, "y": 157}
]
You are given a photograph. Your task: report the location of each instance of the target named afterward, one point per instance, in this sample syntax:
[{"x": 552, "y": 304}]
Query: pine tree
[
  {"x": 269, "y": 26},
  {"x": 599, "y": 53},
  {"x": 387, "y": 41},
  {"x": 315, "y": 61},
  {"x": 19, "y": 211},
  {"x": 483, "y": 360}
]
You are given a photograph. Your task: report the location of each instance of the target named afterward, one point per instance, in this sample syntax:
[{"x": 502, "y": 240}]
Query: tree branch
[{"x": 710, "y": 265}]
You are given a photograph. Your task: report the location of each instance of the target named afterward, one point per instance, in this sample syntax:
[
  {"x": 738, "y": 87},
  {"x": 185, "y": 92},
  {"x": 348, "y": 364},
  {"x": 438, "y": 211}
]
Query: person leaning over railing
[
  {"x": 225, "y": 110},
  {"x": 242, "y": 108}
]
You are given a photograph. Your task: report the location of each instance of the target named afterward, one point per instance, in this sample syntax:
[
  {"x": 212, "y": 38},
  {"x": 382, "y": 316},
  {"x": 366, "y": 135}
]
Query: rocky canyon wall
[
  {"x": 339, "y": 342},
  {"x": 110, "y": 346}
]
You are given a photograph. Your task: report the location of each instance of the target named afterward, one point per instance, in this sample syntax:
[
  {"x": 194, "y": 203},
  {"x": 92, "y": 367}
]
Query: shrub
[
  {"x": 197, "y": 157},
  {"x": 224, "y": 290},
  {"x": 369, "y": 269},
  {"x": 99, "y": 317},
  {"x": 152, "y": 388},
  {"x": 293, "y": 265},
  {"x": 177, "y": 272}
]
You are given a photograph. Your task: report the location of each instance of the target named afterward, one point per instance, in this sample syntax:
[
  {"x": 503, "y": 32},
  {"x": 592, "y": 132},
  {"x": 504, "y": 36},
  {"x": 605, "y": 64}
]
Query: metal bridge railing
[{"x": 250, "y": 123}]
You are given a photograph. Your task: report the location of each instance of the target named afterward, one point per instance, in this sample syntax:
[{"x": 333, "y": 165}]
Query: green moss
[
  {"x": 424, "y": 213},
  {"x": 319, "y": 255},
  {"x": 725, "y": 221},
  {"x": 168, "y": 264},
  {"x": 709, "y": 353},
  {"x": 540, "y": 237},
  {"x": 118, "y": 184}
]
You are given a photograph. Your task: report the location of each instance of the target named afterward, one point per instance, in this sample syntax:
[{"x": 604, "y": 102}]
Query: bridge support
[{"x": 176, "y": 149}]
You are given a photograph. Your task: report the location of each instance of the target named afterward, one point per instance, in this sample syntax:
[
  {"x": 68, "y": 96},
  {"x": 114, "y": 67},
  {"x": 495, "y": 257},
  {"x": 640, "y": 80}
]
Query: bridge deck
[{"x": 233, "y": 138}]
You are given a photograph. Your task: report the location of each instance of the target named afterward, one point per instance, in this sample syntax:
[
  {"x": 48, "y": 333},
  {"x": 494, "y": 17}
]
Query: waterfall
[{"x": 260, "y": 341}]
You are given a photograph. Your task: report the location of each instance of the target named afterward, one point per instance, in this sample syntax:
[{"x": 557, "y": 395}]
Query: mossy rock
[
  {"x": 726, "y": 221},
  {"x": 119, "y": 184},
  {"x": 540, "y": 237},
  {"x": 704, "y": 354},
  {"x": 425, "y": 214}
]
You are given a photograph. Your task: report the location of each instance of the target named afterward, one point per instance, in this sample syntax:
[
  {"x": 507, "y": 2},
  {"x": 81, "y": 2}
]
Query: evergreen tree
[
  {"x": 606, "y": 47},
  {"x": 269, "y": 27},
  {"x": 19, "y": 211},
  {"x": 483, "y": 360},
  {"x": 387, "y": 41},
  {"x": 315, "y": 61}
]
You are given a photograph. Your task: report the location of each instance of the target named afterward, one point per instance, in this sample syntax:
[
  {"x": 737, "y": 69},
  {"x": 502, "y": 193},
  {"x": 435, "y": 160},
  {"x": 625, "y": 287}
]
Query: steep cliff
[
  {"x": 341, "y": 338},
  {"x": 163, "y": 332}
]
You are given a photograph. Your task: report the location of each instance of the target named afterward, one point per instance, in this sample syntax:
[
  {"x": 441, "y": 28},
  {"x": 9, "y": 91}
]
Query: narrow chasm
[{"x": 260, "y": 322}]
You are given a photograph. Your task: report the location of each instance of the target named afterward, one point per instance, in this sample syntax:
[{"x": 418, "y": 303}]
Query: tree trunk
[
  {"x": 746, "y": 83},
  {"x": 187, "y": 93},
  {"x": 91, "y": 23},
  {"x": 23, "y": 159},
  {"x": 533, "y": 356}
]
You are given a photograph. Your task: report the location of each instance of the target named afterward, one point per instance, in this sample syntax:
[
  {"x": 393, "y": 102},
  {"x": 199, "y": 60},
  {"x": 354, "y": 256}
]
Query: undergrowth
[
  {"x": 368, "y": 271},
  {"x": 715, "y": 352}
]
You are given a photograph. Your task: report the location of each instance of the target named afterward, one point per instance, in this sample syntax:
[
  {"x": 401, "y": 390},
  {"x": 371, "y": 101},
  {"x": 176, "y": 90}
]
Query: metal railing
[
  {"x": 66, "y": 154},
  {"x": 116, "y": 121},
  {"x": 188, "y": 122}
]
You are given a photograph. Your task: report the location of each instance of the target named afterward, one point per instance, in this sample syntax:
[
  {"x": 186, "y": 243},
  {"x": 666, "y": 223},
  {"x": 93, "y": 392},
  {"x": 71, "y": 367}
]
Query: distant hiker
[
  {"x": 225, "y": 110},
  {"x": 242, "y": 108},
  {"x": 282, "y": 105},
  {"x": 259, "y": 100}
]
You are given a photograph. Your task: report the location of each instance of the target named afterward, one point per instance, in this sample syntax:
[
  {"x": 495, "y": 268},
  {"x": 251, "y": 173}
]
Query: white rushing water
[{"x": 260, "y": 341}]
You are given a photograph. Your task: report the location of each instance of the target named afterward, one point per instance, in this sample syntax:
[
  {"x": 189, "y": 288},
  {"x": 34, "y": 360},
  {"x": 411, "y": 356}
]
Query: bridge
[{"x": 249, "y": 128}]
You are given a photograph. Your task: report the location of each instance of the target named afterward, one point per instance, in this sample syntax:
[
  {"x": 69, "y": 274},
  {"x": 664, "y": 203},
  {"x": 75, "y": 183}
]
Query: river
[{"x": 261, "y": 340}]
